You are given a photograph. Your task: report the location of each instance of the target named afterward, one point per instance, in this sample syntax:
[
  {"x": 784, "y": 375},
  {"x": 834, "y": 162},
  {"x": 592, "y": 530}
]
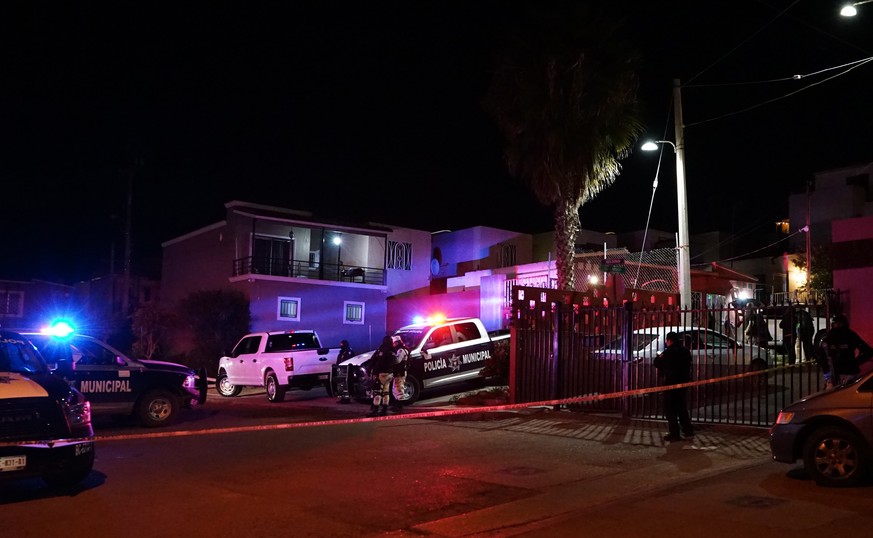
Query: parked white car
[{"x": 714, "y": 353}]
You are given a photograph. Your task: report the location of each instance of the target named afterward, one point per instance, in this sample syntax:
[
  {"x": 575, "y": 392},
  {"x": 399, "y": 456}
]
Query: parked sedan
[
  {"x": 831, "y": 431},
  {"x": 717, "y": 352}
]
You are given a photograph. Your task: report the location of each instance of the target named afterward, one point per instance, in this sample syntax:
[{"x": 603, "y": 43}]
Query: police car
[
  {"x": 442, "y": 352},
  {"x": 115, "y": 384},
  {"x": 45, "y": 424}
]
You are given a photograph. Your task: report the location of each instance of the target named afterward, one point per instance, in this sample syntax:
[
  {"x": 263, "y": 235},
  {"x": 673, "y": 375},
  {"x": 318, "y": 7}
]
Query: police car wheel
[
  {"x": 275, "y": 391},
  {"x": 224, "y": 388},
  {"x": 157, "y": 408},
  {"x": 74, "y": 473},
  {"x": 411, "y": 391}
]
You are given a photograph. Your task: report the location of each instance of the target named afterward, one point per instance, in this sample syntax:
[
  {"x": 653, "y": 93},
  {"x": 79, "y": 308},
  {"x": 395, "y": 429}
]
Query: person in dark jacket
[
  {"x": 382, "y": 370},
  {"x": 844, "y": 352},
  {"x": 345, "y": 353},
  {"x": 674, "y": 363},
  {"x": 788, "y": 324}
]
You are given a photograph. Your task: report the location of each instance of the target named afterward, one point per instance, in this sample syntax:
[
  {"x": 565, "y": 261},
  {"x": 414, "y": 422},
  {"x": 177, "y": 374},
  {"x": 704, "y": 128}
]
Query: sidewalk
[{"x": 618, "y": 458}]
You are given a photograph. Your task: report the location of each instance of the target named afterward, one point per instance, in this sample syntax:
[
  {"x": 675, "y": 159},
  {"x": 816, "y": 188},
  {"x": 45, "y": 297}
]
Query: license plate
[
  {"x": 12, "y": 463},
  {"x": 323, "y": 377}
]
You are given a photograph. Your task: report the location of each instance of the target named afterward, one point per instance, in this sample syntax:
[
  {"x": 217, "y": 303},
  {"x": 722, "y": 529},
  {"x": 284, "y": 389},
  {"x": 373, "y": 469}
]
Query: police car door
[{"x": 103, "y": 377}]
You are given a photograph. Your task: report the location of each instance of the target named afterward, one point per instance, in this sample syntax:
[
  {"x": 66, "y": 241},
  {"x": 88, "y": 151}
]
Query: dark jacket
[
  {"x": 674, "y": 363},
  {"x": 384, "y": 360},
  {"x": 839, "y": 346}
]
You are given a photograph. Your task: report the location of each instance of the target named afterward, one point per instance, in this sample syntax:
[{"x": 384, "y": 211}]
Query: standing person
[
  {"x": 804, "y": 332},
  {"x": 788, "y": 324},
  {"x": 345, "y": 353},
  {"x": 401, "y": 352},
  {"x": 382, "y": 371},
  {"x": 674, "y": 363},
  {"x": 844, "y": 351}
]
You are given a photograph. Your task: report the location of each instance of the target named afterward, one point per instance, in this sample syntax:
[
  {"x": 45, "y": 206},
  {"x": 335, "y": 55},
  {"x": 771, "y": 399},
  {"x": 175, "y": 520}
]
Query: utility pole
[
  {"x": 682, "y": 201},
  {"x": 125, "y": 297}
]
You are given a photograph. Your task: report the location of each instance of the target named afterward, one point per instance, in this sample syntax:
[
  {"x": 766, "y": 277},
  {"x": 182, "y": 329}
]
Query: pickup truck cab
[
  {"x": 277, "y": 361},
  {"x": 440, "y": 353},
  {"x": 153, "y": 392}
]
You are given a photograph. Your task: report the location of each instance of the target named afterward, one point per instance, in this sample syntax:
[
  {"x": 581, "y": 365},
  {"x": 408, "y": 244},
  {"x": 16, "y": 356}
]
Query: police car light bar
[{"x": 58, "y": 328}]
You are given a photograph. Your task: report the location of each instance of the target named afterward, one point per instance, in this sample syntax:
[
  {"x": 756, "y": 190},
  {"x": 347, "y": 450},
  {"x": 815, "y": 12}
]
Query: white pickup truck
[
  {"x": 277, "y": 361},
  {"x": 440, "y": 353}
]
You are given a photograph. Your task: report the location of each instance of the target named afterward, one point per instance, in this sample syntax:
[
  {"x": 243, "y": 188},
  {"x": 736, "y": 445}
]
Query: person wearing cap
[
  {"x": 401, "y": 352},
  {"x": 844, "y": 352},
  {"x": 674, "y": 363}
]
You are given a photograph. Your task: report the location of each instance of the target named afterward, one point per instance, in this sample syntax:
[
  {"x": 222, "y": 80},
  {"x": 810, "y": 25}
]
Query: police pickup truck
[
  {"x": 45, "y": 424},
  {"x": 151, "y": 391},
  {"x": 277, "y": 361},
  {"x": 441, "y": 353}
]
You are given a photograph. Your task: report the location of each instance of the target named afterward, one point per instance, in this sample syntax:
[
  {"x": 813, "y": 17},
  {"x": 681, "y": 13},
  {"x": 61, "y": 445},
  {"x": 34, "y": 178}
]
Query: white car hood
[{"x": 358, "y": 360}]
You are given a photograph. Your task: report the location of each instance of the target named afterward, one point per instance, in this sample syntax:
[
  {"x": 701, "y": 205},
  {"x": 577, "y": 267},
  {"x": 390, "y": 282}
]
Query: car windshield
[
  {"x": 411, "y": 337},
  {"x": 18, "y": 355}
]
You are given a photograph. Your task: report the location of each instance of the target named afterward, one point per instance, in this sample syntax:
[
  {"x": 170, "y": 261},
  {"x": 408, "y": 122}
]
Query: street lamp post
[{"x": 684, "y": 263}]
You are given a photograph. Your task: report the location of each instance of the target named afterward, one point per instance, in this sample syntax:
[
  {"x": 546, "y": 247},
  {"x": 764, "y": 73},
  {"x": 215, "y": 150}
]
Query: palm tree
[{"x": 565, "y": 99}]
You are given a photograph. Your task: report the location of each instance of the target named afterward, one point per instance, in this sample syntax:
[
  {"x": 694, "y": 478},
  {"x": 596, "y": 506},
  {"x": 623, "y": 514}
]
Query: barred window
[
  {"x": 399, "y": 255},
  {"x": 11, "y": 304},
  {"x": 353, "y": 313},
  {"x": 289, "y": 309}
]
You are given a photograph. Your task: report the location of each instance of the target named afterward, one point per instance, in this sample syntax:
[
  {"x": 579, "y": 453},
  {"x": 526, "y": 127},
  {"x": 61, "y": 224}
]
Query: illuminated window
[
  {"x": 399, "y": 256},
  {"x": 353, "y": 313},
  {"x": 289, "y": 309},
  {"x": 11, "y": 304}
]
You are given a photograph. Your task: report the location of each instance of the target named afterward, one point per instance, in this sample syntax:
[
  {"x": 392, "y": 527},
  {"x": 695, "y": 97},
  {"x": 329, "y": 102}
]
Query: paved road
[{"x": 310, "y": 467}]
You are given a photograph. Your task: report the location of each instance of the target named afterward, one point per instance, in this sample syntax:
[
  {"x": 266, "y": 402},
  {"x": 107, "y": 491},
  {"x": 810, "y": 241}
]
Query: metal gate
[{"x": 564, "y": 351}]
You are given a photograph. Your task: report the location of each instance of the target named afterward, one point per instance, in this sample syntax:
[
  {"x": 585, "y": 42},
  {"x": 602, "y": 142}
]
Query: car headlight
[
  {"x": 785, "y": 417},
  {"x": 190, "y": 382}
]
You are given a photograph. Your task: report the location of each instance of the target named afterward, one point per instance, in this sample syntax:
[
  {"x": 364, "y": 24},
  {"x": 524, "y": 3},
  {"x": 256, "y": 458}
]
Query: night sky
[{"x": 372, "y": 111}]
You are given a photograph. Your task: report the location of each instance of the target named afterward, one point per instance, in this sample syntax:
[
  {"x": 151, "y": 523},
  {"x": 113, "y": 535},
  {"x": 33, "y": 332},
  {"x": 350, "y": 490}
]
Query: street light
[
  {"x": 684, "y": 263},
  {"x": 849, "y": 9}
]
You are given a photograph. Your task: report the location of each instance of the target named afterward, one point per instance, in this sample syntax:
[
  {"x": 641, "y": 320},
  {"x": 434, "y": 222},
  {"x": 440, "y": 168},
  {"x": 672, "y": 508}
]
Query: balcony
[{"x": 312, "y": 270}]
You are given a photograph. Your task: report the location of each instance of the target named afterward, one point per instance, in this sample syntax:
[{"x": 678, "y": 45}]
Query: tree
[
  {"x": 564, "y": 95},
  {"x": 152, "y": 324},
  {"x": 216, "y": 319}
]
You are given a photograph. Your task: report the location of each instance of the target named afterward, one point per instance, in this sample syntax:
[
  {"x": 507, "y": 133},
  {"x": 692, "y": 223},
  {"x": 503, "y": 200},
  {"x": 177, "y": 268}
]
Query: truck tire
[
  {"x": 73, "y": 474},
  {"x": 157, "y": 407},
  {"x": 275, "y": 391},
  {"x": 225, "y": 388}
]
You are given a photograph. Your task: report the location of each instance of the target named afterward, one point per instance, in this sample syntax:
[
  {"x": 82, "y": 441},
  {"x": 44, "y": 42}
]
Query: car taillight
[{"x": 784, "y": 417}]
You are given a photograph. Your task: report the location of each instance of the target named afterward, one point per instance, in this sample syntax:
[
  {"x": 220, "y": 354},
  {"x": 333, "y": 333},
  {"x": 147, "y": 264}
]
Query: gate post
[{"x": 627, "y": 326}]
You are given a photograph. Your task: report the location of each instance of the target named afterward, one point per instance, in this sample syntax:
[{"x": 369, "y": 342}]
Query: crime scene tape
[{"x": 405, "y": 416}]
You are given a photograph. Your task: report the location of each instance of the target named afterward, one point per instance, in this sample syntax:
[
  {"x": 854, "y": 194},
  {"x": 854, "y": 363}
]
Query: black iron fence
[
  {"x": 745, "y": 360},
  {"x": 251, "y": 265}
]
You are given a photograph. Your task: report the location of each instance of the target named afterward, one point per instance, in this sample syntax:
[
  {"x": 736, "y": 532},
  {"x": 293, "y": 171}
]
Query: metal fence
[{"x": 744, "y": 375}]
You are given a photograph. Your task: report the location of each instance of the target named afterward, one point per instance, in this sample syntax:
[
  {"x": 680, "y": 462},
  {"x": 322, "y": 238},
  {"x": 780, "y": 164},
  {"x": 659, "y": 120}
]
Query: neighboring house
[
  {"x": 840, "y": 193},
  {"x": 104, "y": 303},
  {"x": 300, "y": 272},
  {"x": 852, "y": 260},
  {"x": 35, "y": 303}
]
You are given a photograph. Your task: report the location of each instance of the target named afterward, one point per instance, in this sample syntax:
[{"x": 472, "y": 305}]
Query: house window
[
  {"x": 399, "y": 255},
  {"x": 353, "y": 313},
  {"x": 289, "y": 309},
  {"x": 271, "y": 256},
  {"x": 11, "y": 304},
  {"x": 314, "y": 258}
]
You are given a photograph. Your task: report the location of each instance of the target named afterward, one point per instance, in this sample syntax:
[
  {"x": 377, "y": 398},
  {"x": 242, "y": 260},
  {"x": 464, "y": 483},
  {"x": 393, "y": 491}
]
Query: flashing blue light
[{"x": 59, "y": 328}]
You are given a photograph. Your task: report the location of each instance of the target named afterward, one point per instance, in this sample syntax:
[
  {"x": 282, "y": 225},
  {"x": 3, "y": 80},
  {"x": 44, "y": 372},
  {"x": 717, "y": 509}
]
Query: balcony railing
[{"x": 305, "y": 269}]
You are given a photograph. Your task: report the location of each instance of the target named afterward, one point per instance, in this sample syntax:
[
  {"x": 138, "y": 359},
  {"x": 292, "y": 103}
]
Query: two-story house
[{"x": 300, "y": 272}]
